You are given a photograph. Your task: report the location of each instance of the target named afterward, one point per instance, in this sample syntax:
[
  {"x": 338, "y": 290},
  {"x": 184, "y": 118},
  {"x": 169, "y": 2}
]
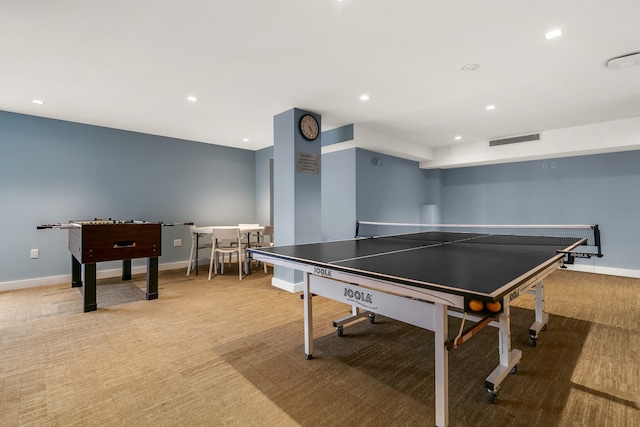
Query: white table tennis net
[{"x": 533, "y": 234}]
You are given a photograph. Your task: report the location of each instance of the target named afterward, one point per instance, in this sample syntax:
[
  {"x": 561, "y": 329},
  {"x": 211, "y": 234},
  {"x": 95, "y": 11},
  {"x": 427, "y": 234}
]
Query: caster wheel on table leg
[
  {"x": 533, "y": 341},
  {"x": 309, "y": 356},
  {"x": 493, "y": 397},
  {"x": 514, "y": 370},
  {"x": 372, "y": 318},
  {"x": 340, "y": 331}
]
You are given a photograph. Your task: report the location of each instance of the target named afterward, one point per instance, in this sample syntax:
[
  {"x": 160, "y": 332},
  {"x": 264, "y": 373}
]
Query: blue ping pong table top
[{"x": 472, "y": 265}]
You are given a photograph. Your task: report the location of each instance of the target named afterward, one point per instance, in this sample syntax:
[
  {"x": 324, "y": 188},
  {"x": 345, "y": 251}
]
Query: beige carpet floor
[{"x": 230, "y": 353}]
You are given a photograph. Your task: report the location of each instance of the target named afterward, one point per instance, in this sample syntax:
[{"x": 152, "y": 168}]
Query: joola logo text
[
  {"x": 322, "y": 271},
  {"x": 358, "y": 296}
]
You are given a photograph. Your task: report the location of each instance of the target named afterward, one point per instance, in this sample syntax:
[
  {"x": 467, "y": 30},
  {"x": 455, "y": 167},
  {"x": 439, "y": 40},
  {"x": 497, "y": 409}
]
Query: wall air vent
[{"x": 515, "y": 139}]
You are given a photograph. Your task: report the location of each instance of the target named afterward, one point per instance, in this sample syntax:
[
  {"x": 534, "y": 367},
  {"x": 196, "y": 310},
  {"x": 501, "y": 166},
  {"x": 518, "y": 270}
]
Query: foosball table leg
[
  {"x": 152, "y": 278},
  {"x": 76, "y": 273},
  {"x": 89, "y": 289},
  {"x": 126, "y": 269}
]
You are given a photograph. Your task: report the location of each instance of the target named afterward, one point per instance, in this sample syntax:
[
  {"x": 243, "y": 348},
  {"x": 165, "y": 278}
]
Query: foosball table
[
  {"x": 93, "y": 241},
  {"x": 99, "y": 241}
]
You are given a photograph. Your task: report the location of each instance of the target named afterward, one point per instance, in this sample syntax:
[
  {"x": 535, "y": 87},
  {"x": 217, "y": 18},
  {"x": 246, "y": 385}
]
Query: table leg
[
  {"x": 308, "y": 319},
  {"x": 126, "y": 269},
  {"x": 89, "y": 289},
  {"x": 509, "y": 358},
  {"x": 152, "y": 278},
  {"x": 441, "y": 365},
  {"x": 195, "y": 259},
  {"x": 76, "y": 273},
  {"x": 542, "y": 317}
]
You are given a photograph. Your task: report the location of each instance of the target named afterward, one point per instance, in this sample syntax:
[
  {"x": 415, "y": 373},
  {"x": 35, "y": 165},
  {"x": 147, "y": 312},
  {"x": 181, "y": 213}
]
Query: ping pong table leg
[
  {"x": 441, "y": 365},
  {"x": 308, "y": 319},
  {"x": 509, "y": 358},
  {"x": 541, "y": 315}
]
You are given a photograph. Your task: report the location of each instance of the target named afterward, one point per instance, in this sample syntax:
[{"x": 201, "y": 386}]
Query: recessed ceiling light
[
  {"x": 458, "y": 138},
  {"x": 364, "y": 97},
  {"x": 38, "y": 101},
  {"x": 470, "y": 67},
  {"x": 245, "y": 139},
  {"x": 553, "y": 34},
  {"x": 490, "y": 107},
  {"x": 192, "y": 98}
]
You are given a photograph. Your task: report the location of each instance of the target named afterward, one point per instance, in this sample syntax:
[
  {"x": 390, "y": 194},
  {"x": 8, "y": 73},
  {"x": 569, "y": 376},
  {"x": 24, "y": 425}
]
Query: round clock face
[{"x": 309, "y": 127}]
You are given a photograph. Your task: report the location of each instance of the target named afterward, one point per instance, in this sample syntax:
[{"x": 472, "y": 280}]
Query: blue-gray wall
[
  {"x": 394, "y": 191},
  {"x": 54, "y": 171},
  {"x": 599, "y": 189},
  {"x": 338, "y": 194},
  {"x": 353, "y": 188}
]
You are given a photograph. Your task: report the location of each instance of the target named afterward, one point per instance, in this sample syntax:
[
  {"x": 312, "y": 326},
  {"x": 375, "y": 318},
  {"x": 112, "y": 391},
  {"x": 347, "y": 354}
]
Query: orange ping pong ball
[
  {"x": 494, "y": 307},
  {"x": 475, "y": 305}
]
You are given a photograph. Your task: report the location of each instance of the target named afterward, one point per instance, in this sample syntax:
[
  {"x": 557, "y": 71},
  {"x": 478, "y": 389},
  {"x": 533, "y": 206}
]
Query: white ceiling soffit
[{"x": 598, "y": 138}]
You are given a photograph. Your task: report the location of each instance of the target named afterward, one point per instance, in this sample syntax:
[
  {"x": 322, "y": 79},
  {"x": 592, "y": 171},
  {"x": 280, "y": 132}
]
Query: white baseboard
[
  {"x": 623, "y": 272},
  {"x": 55, "y": 280},
  {"x": 287, "y": 286},
  {"x": 34, "y": 283}
]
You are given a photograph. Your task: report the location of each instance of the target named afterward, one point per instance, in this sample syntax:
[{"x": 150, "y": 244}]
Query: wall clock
[{"x": 309, "y": 127}]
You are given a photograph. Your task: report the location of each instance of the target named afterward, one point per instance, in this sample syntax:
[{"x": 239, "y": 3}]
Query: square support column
[{"x": 297, "y": 190}]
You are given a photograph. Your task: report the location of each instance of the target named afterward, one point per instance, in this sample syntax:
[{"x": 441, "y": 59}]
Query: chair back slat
[{"x": 226, "y": 233}]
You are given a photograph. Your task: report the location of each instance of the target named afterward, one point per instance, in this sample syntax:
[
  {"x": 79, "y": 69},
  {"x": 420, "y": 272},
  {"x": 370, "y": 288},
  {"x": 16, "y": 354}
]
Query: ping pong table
[{"x": 421, "y": 274}]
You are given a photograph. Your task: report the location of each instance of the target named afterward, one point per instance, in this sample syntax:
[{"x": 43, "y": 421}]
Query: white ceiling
[{"x": 130, "y": 64}]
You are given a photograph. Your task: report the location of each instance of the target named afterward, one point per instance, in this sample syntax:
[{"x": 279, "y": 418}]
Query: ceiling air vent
[{"x": 515, "y": 139}]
